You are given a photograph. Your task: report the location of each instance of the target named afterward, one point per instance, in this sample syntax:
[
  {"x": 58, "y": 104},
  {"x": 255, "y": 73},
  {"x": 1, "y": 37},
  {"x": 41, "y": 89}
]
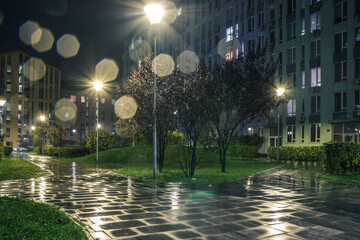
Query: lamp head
[
  {"x": 2, "y": 103},
  {"x": 33, "y": 128},
  {"x": 280, "y": 91},
  {"x": 97, "y": 85},
  {"x": 42, "y": 118},
  {"x": 154, "y": 12}
]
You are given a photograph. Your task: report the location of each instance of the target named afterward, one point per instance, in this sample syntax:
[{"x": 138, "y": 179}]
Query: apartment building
[
  {"x": 30, "y": 88},
  {"x": 85, "y": 118},
  {"x": 318, "y": 46}
]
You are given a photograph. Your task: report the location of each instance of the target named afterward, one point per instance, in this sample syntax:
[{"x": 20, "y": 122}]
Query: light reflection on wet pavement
[{"x": 280, "y": 204}]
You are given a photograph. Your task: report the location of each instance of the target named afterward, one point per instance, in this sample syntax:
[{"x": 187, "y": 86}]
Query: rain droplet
[
  {"x": 34, "y": 69},
  {"x": 106, "y": 70},
  {"x": 68, "y": 46},
  {"x": 65, "y": 110},
  {"x": 188, "y": 62},
  {"x": 164, "y": 65},
  {"x": 30, "y": 32},
  {"x": 46, "y": 41},
  {"x": 125, "y": 107}
]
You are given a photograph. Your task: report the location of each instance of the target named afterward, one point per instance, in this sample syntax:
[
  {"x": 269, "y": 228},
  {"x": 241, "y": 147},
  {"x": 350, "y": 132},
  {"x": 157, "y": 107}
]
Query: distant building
[
  {"x": 31, "y": 88},
  {"x": 85, "y": 118},
  {"x": 318, "y": 46}
]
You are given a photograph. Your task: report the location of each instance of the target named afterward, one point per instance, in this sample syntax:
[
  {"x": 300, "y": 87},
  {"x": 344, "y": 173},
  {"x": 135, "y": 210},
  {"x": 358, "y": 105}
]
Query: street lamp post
[
  {"x": 154, "y": 13},
  {"x": 98, "y": 86},
  {"x": 279, "y": 92},
  {"x": 42, "y": 119}
]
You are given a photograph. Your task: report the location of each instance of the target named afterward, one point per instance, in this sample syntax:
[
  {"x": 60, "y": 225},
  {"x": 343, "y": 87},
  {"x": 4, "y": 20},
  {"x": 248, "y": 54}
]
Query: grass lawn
[
  {"x": 345, "y": 177},
  {"x": 137, "y": 162},
  {"x": 24, "y": 219},
  {"x": 19, "y": 169}
]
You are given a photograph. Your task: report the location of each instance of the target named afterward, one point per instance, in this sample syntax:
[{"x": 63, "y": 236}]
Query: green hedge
[
  {"x": 307, "y": 154},
  {"x": 2, "y": 152},
  {"x": 65, "y": 151},
  {"x": 244, "y": 151},
  {"x": 38, "y": 150},
  {"x": 341, "y": 157},
  {"x": 8, "y": 150}
]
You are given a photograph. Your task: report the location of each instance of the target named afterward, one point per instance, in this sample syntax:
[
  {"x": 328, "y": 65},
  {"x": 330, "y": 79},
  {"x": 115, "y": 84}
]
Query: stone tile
[
  {"x": 99, "y": 235},
  {"x": 120, "y": 225},
  {"x": 151, "y": 237},
  {"x": 186, "y": 234},
  {"x": 139, "y": 216},
  {"x": 162, "y": 228},
  {"x": 122, "y": 233},
  {"x": 318, "y": 232},
  {"x": 155, "y": 221}
]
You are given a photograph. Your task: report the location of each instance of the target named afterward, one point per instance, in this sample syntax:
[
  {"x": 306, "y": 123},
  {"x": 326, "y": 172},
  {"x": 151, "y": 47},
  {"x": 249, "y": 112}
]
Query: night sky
[{"x": 100, "y": 26}]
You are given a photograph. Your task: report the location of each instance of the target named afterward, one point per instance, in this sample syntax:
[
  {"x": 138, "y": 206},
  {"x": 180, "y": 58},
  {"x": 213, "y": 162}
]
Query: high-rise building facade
[
  {"x": 30, "y": 88},
  {"x": 317, "y": 43},
  {"x": 85, "y": 118}
]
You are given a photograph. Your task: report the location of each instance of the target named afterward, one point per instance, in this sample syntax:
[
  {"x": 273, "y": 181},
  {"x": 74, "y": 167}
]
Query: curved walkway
[{"x": 278, "y": 204}]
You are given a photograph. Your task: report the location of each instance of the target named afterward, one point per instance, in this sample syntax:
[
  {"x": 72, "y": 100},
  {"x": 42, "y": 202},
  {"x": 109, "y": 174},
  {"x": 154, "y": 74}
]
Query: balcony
[
  {"x": 315, "y": 7},
  {"x": 315, "y": 62},
  {"x": 356, "y": 113},
  {"x": 339, "y": 115},
  {"x": 316, "y": 32},
  {"x": 340, "y": 56},
  {"x": 291, "y": 120},
  {"x": 291, "y": 68},
  {"x": 291, "y": 17},
  {"x": 314, "y": 118}
]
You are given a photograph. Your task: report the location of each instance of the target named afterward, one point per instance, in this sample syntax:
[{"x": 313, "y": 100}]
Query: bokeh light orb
[
  {"x": 46, "y": 41},
  {"x": 1, "y": 17},
  {"x": 164, "y": 65},
  {"x": 171, "y": 12},
  {"x": 224, "y": 47},
  {"x": 106, "y": 70},
  {"x": 34, "y": 69},
  {"x": 188, "y": 62},
  {"x": 56, "y": 8},
  {"x": 125, "y": 107},
  {"x": 65, "y": 110},
  {"x": 68, "y": 46},
  {"x": 139, "y": 50},
  {"x": 30, "y": 32}
]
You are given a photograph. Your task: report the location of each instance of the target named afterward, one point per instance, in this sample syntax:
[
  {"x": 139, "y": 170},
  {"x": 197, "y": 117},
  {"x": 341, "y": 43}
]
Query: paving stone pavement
[{"x": 278, "y": 204}]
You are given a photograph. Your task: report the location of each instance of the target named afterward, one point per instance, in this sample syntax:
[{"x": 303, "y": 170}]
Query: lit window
[
  {"x": 250, "y": 131},
  {"x": 73, "y": 98},
  {"x": 315, "y": 77},
  {"x": 83, "y": 99},
  {"x": 315, "y": 22},
  {"x": 303, "y": 80},
  {"x": 229, "y": 34},
  {"x": 291, "y": 107},
  {"x": 102, "y": 100},
  {"x": 291, "y": 134}
]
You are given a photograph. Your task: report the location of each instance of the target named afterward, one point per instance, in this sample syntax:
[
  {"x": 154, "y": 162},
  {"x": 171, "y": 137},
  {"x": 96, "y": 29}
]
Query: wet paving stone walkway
[{"x": 278, "y": 204}]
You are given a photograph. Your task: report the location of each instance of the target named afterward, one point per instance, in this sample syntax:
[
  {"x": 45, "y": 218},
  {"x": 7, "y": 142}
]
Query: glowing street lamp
[
  {"x": 154, "y": 12},
  {"x": 97, "y": 86},
  {"x": 279, "y": 93}
]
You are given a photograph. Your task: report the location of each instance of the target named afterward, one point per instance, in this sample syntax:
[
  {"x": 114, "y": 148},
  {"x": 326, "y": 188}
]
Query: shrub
[
  {"x": 104, "y": 141},
  {"x": 38, "y": 150},
  {"x": 341, "y": 157},
  {"x": 2, "y": 152},
  {"x": 8, "y": 150},
  {"x": 244, "y": 151},
  {"x": 310, "y": 154},
  {"x": 66, "y": 151},
  {"x": 247, "y": 140}
]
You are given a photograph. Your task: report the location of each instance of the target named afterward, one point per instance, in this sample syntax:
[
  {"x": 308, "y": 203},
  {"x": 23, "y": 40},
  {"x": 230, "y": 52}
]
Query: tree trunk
[{"x": 193, "y": 160}]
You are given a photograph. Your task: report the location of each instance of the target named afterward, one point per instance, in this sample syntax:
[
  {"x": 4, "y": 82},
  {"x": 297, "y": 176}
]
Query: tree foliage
[
  {"x": 105, "y": 140},
  {"x": 242, "y": 91}
]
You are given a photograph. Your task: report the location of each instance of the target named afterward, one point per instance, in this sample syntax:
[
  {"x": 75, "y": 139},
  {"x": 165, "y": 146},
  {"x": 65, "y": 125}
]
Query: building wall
[
  {"x": 85, "y": 119},
  {"x": 26, "y": 97},
  {"x": 332, "y": 114}
]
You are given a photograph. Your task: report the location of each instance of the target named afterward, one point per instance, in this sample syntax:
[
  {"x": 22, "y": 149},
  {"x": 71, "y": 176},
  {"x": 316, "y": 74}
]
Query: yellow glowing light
[
  {"x": 99, "y": 126},
  {"x": 188, "y": 62},
  {"x": 33, "y": 128},
  {"x": 2, "y": 103},
  {"x": 42, "y": 118},
  {"x": 68, "y": 46},
  {"x": 46, "y": 41},
  {"x": 164, "y": 65},
  {"x": 30, "y": 32},
  {"x": 34, "y": 69},
  {"x": 106, "y": 69},
  {"x": 65, "y": 110},
  {"x": 280, "y": 91},
  {"x": 154, "y": 12},
  {"x": 125, "y": 107},
  {"x": 98, "y": 85}
]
